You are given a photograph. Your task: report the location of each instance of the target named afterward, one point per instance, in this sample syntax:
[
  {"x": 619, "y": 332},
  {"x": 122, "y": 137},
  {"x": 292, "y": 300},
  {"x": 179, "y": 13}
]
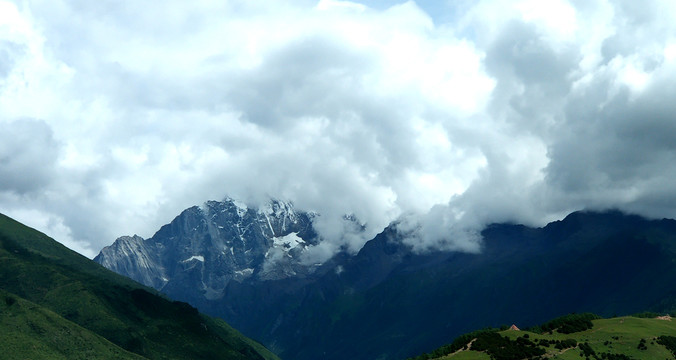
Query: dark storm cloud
[{"x": 620, "y": 151}]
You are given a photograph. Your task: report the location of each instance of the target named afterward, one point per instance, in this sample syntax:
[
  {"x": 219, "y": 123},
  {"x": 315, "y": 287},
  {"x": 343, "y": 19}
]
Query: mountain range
[
  {"x": 387, "y": 301},
  {"x": 206, "y": 248}
]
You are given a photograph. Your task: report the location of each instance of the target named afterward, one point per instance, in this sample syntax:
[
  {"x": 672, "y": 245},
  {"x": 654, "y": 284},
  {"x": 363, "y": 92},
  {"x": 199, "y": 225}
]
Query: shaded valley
[{"x": 388, "y": 302}]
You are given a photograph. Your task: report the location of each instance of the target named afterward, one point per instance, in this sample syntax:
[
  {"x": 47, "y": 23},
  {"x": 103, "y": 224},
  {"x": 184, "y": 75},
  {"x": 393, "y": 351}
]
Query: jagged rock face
[
  {"x": 217, "y": 243},
  {"x": 131, "y": 256}
]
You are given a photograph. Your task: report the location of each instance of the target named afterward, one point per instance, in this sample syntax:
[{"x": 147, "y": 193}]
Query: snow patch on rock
[
  {"x": 194, "y": 257},
  {"x": 290, "y": 241}
]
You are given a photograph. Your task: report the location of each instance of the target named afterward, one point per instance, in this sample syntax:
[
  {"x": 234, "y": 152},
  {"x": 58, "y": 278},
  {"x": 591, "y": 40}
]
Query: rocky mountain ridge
[{"x": 212, "y": 245}]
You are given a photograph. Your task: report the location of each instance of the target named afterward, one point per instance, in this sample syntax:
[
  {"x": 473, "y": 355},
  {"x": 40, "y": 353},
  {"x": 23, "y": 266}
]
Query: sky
[{"x": 443, "y": 116}]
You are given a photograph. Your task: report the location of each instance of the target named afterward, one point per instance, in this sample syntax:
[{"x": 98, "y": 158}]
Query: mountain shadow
[{"x": 388, "y": 302}]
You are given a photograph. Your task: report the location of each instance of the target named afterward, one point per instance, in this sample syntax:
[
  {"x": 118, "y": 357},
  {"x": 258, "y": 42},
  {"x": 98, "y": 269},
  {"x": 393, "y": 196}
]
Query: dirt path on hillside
[{"x": 469, "y": 347}]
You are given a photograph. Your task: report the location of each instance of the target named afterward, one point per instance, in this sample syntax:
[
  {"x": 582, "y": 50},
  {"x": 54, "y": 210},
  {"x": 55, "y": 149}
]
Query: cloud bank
[{"x": 115, "y": 116}]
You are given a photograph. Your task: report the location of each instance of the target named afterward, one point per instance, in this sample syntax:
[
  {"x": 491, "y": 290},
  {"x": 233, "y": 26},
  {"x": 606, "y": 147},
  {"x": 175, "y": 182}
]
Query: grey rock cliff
[
  {"x": 205, "y": 248},
  {"x": 132, "y": 257}
]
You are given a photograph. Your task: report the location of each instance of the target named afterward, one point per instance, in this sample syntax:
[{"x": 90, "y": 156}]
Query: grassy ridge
[
  {"x": 30, "y": 331},
  {"x": 616, "y": 338},
  {"x": 73, "y": 289}
]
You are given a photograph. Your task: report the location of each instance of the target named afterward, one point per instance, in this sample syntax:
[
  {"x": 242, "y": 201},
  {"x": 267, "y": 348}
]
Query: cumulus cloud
[
  {"x": 583, "y": 94},
  {"x": 28, "y": 152},
  {"x": 443, "y": 116}
]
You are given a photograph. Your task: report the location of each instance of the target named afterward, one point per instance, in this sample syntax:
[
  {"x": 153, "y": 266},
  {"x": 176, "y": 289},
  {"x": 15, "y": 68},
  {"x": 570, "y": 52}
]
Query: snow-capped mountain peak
[{"x": 216, "y": 243}]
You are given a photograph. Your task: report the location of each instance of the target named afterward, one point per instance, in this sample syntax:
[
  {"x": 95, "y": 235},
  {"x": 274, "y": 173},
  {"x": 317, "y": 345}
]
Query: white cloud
[{"x": 115, "y": 116}]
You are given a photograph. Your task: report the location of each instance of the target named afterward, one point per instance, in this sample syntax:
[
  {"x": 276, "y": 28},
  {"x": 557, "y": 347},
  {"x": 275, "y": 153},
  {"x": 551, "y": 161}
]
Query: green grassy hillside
[
  {"x": 616, "y": 338},
  {"x": 30, "y": 331},
  {"x": 59, "y": 304}
]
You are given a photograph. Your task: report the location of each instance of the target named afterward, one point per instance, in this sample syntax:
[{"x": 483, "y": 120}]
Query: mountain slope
[
  {"x": 388, "y": 302},
  {"x": 37, "y": 269},
  {"x": 622, "y": 338},
  {"x": 30, "y": 331}
]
